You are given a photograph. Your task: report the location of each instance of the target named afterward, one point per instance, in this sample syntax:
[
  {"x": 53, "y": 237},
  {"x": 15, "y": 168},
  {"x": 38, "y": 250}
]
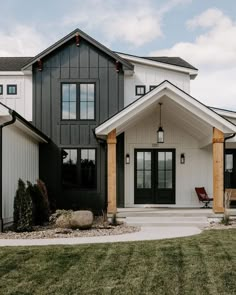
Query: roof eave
[{"x": 88, "y": 39}]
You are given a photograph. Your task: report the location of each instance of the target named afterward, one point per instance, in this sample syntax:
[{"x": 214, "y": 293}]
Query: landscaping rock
[
  {"x": 82, "y": 219},
  {"x": 63, "y": 221}
]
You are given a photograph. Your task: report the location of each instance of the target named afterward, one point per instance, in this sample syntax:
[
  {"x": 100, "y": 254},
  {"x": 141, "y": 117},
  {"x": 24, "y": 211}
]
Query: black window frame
[
  {"x": 78, "y": 186},
  {"x": 141, "y": 87},
  {"x": 1, "y": 89},
  {"x": 151, "y": 87},
  {"x": 11, "y": 85},
  {"x": 78, "y": 117}
]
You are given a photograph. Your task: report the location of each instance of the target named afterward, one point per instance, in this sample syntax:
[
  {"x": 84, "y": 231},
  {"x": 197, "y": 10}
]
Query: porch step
[
  {"x": 199, "y": 222},
  {"x": 170, "y": 213}
]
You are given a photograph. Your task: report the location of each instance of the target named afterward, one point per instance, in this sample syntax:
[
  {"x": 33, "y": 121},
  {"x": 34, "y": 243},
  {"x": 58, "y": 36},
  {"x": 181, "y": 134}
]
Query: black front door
[{"x": 154, "y": 176}]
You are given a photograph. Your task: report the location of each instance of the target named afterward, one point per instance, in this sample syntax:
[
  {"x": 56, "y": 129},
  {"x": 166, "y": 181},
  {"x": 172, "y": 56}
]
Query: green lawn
[{"x": 203, "y": 264}]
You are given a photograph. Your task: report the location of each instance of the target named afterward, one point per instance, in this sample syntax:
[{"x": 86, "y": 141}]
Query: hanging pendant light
[{"x": 160, "y": 131}]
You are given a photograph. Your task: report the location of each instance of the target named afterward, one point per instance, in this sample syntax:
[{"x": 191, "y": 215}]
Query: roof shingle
[{"x": 13, "y": 63}]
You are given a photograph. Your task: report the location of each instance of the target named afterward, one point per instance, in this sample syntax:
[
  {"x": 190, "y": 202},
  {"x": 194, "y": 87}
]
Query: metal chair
[{"x": 203, "y": 196}]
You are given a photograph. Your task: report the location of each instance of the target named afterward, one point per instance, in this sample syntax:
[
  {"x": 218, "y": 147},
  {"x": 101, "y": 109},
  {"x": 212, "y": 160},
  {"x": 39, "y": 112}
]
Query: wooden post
[
  {"x": 111, "y": 171},
  {"x": 218, "y": 171}
]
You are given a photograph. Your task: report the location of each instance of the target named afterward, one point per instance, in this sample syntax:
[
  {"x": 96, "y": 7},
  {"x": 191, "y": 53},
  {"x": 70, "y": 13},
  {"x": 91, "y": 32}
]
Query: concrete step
[
  {"x": 168, "y": 213},
  {"x": 167, "y": 221}
]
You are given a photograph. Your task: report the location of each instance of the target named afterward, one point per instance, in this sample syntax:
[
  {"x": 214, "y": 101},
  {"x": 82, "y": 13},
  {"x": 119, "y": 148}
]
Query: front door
[{"x": 154, "y": 176}]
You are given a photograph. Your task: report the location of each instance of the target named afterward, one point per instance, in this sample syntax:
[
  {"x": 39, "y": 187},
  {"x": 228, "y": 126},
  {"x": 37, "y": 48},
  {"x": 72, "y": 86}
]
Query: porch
[
  {"x": 192, "y": 154},
  {"x": 177, "y": 217}
]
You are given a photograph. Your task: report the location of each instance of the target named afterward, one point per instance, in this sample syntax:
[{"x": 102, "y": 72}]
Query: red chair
[{"x": 203, "y": 196}]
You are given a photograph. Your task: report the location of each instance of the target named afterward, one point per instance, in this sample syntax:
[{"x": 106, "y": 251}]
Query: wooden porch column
[
  {"x": 218, "y": 171},
  {"x": 111, "y": 171}
]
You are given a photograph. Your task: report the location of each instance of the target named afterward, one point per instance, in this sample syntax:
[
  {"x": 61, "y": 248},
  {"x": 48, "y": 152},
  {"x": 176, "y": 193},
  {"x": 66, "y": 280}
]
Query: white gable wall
[
  {"x": 20, "y": 159},
  {"x": 197, "y": 170},
  {"x": 149, "y": 75},
  {"x": 22, "y": 102}
]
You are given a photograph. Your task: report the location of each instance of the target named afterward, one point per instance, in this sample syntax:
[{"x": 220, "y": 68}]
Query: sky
[{"x": 203, "y": 32}]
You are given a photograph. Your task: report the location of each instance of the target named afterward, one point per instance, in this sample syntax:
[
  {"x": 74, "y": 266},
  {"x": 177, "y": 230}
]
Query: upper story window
[
  {"x": 140, "y": 90},
  {"x": 78, "y": 101},
  {"x": 79, "y": 168},
  {"x": 151, "y": 87},
  {"x": 12, "y": 89},
  {"x": 1, "y": 89}
]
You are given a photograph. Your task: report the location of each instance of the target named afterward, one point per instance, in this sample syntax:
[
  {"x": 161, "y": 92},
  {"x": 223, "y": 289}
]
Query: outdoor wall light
[
  {"x": 127, "y": 159},
  {"x": 160, "y": 131},
  {"x": 182, "y": 158}
]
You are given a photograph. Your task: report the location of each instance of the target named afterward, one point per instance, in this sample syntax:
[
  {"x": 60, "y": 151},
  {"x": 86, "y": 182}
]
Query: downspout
[
  {"x": 12, "y": 121},
  {"x": 226, "y": 138}
]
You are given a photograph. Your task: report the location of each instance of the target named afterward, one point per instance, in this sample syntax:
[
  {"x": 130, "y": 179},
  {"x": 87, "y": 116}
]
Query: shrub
[
  {"x": 38, "y": 195},
  {"x": 22, "y": 216}
]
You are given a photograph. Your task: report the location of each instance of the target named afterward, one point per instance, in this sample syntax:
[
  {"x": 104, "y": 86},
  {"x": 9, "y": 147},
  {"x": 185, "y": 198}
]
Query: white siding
[
  {"x": 149, "y": 75},
  {"x": 197, "y": 170},
  {"x": 20, "y": 159},
  {"x": 22, "y": 102}
]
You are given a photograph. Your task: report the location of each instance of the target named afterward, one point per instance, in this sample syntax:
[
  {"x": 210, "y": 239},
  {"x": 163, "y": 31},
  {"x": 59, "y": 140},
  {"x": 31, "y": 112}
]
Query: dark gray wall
[{"x": 70, "y": 63}]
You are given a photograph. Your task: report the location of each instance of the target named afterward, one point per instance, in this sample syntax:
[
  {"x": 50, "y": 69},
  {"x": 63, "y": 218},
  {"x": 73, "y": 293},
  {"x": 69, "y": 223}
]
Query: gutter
[
  {"x": 12, "y": 121},
  {"x": 226, "y": 138}
]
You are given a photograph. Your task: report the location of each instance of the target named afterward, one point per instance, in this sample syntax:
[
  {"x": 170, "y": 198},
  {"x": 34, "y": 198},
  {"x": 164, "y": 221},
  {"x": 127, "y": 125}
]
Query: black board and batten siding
[{"x": 70, "y": 63}]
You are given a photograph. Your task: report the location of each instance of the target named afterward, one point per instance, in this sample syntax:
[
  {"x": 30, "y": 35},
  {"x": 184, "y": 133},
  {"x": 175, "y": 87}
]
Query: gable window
[
  {"x": 78, "y": 101},
  {"x": 140, "y": 90},
  {"x": 1, "y": 89},
  {"x": 79, "y": 168},
  {"x": 12, "y": 89},
  {"x": 69, "y": 101},
  {"x": 87, "y": 101},
  {"x": 151, "y": 87}
]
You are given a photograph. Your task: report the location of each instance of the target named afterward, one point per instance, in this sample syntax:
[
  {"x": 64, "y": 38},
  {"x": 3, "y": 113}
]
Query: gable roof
[
  {"x": 176, "y": 61},
  {"x": 23, "y": 124},
  {"x": 148, "y": 100},
  {"x": 13, "y": 63},
  {"x": 85, "y": 37}
]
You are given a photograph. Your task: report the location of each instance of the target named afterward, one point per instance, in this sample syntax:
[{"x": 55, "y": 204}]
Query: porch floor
[{"x": 194, "y": 217}]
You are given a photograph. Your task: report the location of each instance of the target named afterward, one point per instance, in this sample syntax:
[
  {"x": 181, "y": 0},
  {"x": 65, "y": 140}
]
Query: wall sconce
[
  {"x": 127, "y": 159},
  {"x": 182, "y": 158}
]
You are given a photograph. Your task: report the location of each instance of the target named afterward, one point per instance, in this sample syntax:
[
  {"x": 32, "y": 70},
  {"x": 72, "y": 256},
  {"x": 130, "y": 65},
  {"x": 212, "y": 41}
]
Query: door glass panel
[
  {"x": 161, "y": 160},
  {"x": 148, "y": 179},
  {"x": 139, "y": 179},
  {"x": 148, "y": 160},
  {"x": 161, "y": 179},
  {"x": 168, "y": 182},
  {"x": 168, "y": 160},
  {"x": 140, "y": 160}
]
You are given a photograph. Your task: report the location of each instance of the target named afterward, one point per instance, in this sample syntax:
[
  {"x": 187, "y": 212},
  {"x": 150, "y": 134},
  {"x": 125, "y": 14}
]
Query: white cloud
[
  {"x": 214, "y": 53},
  {"x": 21, "y": 41},
  {"x": 132, "y": 22}
]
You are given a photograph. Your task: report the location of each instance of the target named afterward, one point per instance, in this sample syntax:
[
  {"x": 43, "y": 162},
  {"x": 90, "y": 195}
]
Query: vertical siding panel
[
  {"x": 113, "y": 91},
  {"x": 20, "y": 160},
  {"x": 46, "y": 96},
  {"x": 103, "y": 101}
]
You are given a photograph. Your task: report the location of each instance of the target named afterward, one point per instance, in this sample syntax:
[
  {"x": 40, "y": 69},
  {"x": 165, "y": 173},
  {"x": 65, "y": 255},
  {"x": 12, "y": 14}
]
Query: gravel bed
[
  {"x": 50, "y": 232},
  {"x": 216, "y": 224}
]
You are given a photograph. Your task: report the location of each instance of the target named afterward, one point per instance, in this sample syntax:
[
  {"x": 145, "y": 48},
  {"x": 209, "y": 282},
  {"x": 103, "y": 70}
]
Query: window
[
  {"x": 79, "y": 168},
  {"x": 140, "y": 90},
  {"x": 144, "y": 170},
  {"x": 151, "y": 87},
  {"x": 165, "y": 170},
  {"x": 12, "y": 89},
  {"x": 78, "y": 101},
  {"x": 1, "y": 89},
  {"x": 69, "y": 101},
  {"x": 87, "y": 101}
]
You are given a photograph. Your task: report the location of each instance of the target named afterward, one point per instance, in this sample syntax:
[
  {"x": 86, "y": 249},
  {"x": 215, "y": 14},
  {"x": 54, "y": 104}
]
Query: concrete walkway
[{"x": 146, "y": 234}]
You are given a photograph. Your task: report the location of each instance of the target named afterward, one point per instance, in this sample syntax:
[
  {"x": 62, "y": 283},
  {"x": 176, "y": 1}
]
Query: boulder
[
  {"x": 63, "y": 221},
  {"x": 82, "y": 219}
]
